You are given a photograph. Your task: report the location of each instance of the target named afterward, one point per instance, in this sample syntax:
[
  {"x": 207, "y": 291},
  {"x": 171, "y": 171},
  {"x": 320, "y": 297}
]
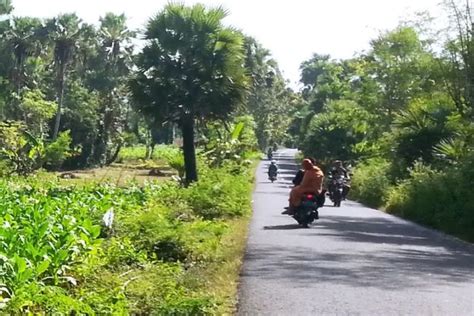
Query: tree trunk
[
  {"x": 187, "y": 128},
  {"x": 115, "y": 154},
  {"x": 62, "y": 80}
]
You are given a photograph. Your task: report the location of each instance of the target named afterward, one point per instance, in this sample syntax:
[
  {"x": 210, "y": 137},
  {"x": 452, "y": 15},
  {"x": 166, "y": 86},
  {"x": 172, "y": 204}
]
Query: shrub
[
  {"x": 443, "y": 200},
  {"x": 220, "y": 193},
  {"x": 20, "y": 149},
  {"x": 58, "y": 151},
  {"x": 370, "y": 182}
]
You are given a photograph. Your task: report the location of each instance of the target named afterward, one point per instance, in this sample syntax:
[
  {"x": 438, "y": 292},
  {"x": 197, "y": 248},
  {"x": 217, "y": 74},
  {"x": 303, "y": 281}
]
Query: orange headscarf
[{"x": 307, "y": 164}]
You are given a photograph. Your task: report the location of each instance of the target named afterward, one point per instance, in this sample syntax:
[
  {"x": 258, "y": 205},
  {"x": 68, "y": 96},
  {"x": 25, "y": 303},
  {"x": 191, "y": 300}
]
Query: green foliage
[
  {"x": 37, "y": 110},
  {"x": 370, "y": 182},
  {"x": 22, "y": 153},
  {"x": 41, "y": 236},
  {"x": 190, "y": 86},
  {"x": 220, "y": 193},
  {"x": 58, "y": 151},
  {"x": 5, "y": 6},
  {"x": 21, "y": 150},
  {"x": 233, "y": 143},
  {"x": 419, "y": 128},
  {"x": 338, "y": 132},
  {"x": 138, "y": 153},
  {"x": 270, "y": 101},
  {"x": 440, "y": 199},
  {"x": 176, "y": 161}
]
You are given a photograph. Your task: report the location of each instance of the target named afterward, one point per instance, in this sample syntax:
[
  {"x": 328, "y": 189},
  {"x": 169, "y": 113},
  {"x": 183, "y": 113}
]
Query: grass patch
[{"x": 224, "y": 276}]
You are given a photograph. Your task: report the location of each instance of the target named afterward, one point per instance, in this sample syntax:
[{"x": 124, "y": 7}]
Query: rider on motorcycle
[
  {"x": 336, "y": 171},
  {"x": 299, "y": 177},
  {"x": 270, "y": 153},
  {"x": 272, "y": 168},
  {"x": 311, "y": 183}
]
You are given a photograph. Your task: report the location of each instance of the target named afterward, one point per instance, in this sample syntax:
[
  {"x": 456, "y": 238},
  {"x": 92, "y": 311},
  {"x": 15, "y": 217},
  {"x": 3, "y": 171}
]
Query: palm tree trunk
[
  {"x": 62, "y": 79},
  {"x": 187, "y": 127}
]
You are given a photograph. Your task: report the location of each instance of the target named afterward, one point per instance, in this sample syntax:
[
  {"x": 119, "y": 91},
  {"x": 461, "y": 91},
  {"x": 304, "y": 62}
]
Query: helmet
[{"x": 273, "y": 162}]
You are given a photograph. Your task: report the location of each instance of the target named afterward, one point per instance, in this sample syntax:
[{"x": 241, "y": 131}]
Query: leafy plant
[{"x": 21, "y": 150}]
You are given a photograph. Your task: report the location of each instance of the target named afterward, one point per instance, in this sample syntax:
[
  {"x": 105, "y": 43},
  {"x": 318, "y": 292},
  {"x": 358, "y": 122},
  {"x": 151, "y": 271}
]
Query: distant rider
[
  {"x": 270, "y": 153},
  {"x": 337, "y": 171},
  {"x": 272, "y": 169}
]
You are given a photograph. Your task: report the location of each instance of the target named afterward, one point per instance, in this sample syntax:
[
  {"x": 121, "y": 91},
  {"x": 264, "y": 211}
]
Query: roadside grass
[{"x": 224, "y": 276}]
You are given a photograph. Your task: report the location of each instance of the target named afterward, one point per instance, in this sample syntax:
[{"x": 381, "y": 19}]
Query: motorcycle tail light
[{"x": 309, "y": 197}]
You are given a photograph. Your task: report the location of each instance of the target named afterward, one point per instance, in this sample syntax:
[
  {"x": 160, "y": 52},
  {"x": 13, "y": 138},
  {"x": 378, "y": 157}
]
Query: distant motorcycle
[
  {"x": 307, "y": 211},
  {"x": 272, "y": 176},
  {"x": 336, "y": 189}
]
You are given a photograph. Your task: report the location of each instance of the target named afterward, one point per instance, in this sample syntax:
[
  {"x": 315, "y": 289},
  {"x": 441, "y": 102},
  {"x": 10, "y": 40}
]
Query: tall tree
[
  {"x": 191, "y": 69},
  {"x": 65, "y": 33},
  {"x": 23, "y": 39},
  {"x": 270, "y": 101},
  {"x": 459, "y": 53},
  {"x": 113, "y": 63}
]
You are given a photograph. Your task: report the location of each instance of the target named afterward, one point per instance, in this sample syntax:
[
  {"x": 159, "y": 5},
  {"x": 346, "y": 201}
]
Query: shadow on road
[
  {"x": 282, "y": 227},
  {"x": 397, "y": 256}
]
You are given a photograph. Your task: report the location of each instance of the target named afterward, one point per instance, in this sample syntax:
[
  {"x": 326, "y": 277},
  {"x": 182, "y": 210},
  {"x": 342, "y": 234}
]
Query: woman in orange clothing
[{"x": 312, "y": 183}]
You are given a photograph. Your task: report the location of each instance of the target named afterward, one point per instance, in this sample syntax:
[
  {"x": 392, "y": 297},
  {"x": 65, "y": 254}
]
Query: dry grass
[{"x": 119, "y": 175}]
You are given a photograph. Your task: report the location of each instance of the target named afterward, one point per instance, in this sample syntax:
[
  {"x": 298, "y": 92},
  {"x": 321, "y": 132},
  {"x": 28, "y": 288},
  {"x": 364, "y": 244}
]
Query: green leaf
[
  {"x": 20, "y": 264},
  {"x": 237, "y": 131},
  {"x": 42, "y": 267}
]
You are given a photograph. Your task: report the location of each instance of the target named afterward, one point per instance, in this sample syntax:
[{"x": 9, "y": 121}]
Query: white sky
[{"x": 291, "y": 29}]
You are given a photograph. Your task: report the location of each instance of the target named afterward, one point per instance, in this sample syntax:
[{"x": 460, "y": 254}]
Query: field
[{"x": 98, "y": 244}]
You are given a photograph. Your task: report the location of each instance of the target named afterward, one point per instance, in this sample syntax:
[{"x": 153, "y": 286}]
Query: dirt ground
[{"x": 117, "y": 174}]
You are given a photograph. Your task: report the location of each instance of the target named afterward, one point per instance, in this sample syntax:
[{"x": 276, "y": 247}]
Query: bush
[
  {"x": 221, "y": 193},
  {"x": 58, "y": 151},
  {"x": 370, "y": 182},
  {"x": 442, "y": 200},
  {"x": 21, "y": 151}
]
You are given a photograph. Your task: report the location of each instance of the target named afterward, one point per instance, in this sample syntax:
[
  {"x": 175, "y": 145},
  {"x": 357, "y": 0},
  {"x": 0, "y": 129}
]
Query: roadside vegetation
[
  {"x": 401, "y": 113},
  {"x": 100, "y": 248}
]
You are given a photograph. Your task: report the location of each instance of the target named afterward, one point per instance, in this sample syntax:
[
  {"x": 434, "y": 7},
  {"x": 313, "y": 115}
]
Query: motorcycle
[
  {"x": 307, "y": 211},
  {"x": 272, "y": 176},
  {"x": 270, "y": 155},
  {"x": 336, "y": 193}
]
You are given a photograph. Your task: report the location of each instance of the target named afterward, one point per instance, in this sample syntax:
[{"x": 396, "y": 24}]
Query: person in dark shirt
[
  {"x": 336, "y": 171},
  {"x": 272, "y": 168}
]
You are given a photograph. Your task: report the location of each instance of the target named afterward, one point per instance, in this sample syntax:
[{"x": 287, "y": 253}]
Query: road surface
[{"x": 353, "y": 261}]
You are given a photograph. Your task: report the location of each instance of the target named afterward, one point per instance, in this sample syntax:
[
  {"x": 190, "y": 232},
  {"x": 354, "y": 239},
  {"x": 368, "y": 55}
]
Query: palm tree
[
  {"x": 115, "y": 58},
  {"x": 65, "y": 33},
  {"x": 192, "y": 68},
  {"x": 5, "y": 6},
  {"x": 23, "y": 39}
]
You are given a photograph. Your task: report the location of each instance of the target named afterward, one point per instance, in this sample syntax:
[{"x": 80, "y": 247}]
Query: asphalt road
[{"x": 353, "y": 261}]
